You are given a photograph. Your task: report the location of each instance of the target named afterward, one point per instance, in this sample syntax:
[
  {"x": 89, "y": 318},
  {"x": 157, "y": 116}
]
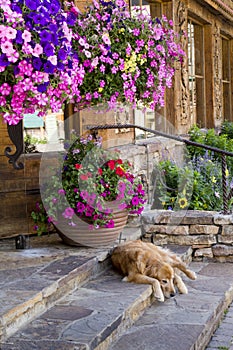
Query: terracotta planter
[{"x": 82, "y": 235}]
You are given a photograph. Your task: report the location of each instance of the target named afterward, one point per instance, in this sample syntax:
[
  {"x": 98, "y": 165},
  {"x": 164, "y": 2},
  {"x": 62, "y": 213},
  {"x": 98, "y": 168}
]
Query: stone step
[
  {"x": 33, "y": 280},
  {"x": 186, "y": 322},
  {"x": 30, "y": 291},
  {"x": 106, "y": 313},
  {"x": 88, "y": 318},
  {"x": 91, "y": 316}
]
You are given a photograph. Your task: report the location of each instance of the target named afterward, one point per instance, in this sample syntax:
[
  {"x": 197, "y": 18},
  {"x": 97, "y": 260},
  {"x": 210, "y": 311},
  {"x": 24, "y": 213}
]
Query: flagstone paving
[{"x": 54, "y": 297}]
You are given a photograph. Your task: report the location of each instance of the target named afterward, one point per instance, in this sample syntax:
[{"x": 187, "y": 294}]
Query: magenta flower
[
  {"x": 80, "y": 207},
  {"x": 68, "y": 213},
  {"x": 135, "y": 201},
  {"x": 61, "y": 192},
  {"x": 110, "y": 224}
]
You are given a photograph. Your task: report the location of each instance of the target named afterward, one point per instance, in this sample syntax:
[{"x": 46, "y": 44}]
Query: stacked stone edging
[{"x": 209, "y": 233}]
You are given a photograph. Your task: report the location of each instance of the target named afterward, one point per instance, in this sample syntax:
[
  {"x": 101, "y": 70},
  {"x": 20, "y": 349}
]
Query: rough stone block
[
  {"x": 227, "y": 230},
  {"x": 204, "y": 229},
  {"x": 220, "y": 219},
  {"x": 156, "y": 216},
  {"x": 222, "y": 250},
  {"x": 186, "y": 240},
  {"x": 205, "y": 252},
  {"x": 228, "y": 239},
  {"x": 166, "y": 229}
]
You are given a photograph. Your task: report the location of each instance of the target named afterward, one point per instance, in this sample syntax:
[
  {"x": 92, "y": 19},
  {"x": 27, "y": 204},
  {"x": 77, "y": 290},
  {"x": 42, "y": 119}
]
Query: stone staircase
[{"x": 54, "y": 297}]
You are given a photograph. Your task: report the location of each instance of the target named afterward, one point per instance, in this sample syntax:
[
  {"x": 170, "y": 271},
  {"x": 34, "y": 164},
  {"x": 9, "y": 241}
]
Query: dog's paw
[
  {"x": 125, "y": 279},
  {"x": 157, "y": 291},
  {"x": 183, "y": 289},
  {"x": 160, "y": 297},
  {"x": 192, "y": 275}
]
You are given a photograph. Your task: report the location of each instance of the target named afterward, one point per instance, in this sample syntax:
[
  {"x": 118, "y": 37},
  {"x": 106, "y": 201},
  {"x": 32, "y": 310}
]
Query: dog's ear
[{"x": 152, "y": 269}]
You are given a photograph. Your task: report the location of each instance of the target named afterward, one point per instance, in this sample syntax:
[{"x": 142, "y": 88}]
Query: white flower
[
  {"x": 53, "y": 60},
  {"x": 87, "y": 53}
]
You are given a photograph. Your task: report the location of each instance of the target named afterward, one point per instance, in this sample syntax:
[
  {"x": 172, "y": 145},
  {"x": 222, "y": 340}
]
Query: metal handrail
[{"x": 223, "y": 153}]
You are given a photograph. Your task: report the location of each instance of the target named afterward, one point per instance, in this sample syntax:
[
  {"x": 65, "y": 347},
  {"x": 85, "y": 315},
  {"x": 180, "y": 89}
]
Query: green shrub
[
  {"x": 227, "y": 129},
  {"x": 198, "y": 184},
  {"x": 210, "y": 138}
]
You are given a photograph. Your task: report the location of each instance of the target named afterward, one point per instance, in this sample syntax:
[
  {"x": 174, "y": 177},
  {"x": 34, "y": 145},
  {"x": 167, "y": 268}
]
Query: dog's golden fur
[{"x": 143, "y": 262}]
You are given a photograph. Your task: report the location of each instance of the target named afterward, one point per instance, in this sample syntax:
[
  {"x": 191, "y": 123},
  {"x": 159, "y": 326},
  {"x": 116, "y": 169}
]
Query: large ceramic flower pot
[{"x": 82, "y": 235}]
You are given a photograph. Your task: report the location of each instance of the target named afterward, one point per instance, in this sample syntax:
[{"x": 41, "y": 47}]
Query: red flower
[
  {"x": 120, "y": 171},
  {"x": 111, "y": 164},
  {"x": 78, "y": 166},
  {"x": 100, "y": 171},
  {"x": 119, "y": 161},
  {"x": 84, "y": 177}
]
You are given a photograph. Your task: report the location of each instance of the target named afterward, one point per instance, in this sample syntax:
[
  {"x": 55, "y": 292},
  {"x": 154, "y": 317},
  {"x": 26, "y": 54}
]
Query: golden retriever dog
[{"x": 146, "y": 263}]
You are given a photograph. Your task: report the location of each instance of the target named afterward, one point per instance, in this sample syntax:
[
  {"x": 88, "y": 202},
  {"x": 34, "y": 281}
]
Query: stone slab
[
  {"x": 87, "y": 316},
  {"x": 185, "y": 322}
]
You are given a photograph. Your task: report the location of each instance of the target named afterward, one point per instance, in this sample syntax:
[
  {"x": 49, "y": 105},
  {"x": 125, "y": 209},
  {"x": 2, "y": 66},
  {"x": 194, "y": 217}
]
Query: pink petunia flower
[
  {"x": 7, "y": 48},
  {"x": 26, "y": 36},
  {"x": 37, "y": 51}
]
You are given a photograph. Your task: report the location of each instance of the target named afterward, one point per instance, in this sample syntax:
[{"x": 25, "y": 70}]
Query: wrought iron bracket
[{"x": 15, "y": 133}]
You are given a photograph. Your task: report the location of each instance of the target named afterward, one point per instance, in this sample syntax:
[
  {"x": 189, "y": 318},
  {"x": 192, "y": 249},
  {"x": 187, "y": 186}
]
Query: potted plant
[
  {"x": 127, "y": 57},
  {"x": 91, "y": 191}
]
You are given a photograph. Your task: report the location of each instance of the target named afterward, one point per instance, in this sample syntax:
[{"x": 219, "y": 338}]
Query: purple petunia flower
[
  {"x": 89, "y": 211},
  {"x": 62, "y": 54},
  {"x": 38, "y": 18},
  {"x": 4, "y": 61},
  {"x": 19, "y": 39},
  {"x": 43, "y": 87},
  {"x": 54, "y": 7},
  {"x": 71, "y": 18},
  {"x": 32, "y": 4},
  {"x": 60, "y": 66},
  {"x": 49, "y": 68},
  {"x": 135, "y": 201},
  {"x": 80, "y": 207},
  {"x": 37, "y": 63},
  {"x": 48, "y": 50},
  {"x": 45, "y": 36},
  {"x": 110, "y": 224},
  {"x": 16, "y": 8},
  {"x": 62, "y": 192}
]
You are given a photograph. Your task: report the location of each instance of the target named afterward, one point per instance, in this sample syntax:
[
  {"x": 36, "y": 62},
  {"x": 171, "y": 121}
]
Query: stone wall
[{"x": 210, "y": 234}]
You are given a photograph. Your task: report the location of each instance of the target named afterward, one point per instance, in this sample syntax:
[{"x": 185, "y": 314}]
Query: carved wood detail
[
  {"x": 217, "y": 74},
  {"x": 181, "y": 20}
]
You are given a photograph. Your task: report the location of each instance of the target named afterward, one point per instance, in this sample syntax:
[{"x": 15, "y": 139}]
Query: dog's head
[{"x": 165, "y": 275}]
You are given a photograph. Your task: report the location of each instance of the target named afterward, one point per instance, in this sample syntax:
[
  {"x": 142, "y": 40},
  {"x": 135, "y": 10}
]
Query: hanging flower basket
[{"x": 128, "y": 57}]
